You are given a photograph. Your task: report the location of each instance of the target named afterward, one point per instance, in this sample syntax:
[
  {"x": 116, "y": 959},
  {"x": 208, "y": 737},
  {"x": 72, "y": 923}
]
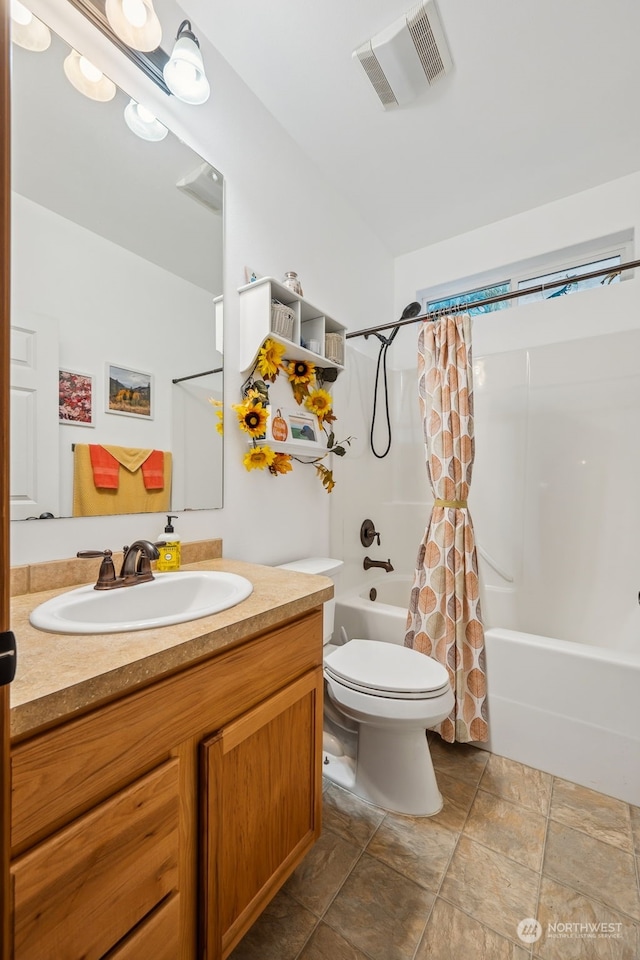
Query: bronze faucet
[
  {"x": 384, "y": 564},
  {"x": 136, "y": 565}
]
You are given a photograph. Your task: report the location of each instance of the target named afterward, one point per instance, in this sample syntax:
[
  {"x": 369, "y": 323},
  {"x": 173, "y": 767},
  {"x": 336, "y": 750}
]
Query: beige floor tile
[
  {"x": 592, "y": 867},
  {"x": 458, "y": 797},
  {"x": 322, "y": 872},
  {"x": 416, "y": 847},
  {"x": 496, "y": 891},
  {"x": 635, "y": 828},
  {"x": 459, "y": 760},
  {"x": 326, "y": 944},
  {"x": 349, "y": 816},
  {"x": 278, "y": 934},
  {"x": 514, "y": 781},
  {"x": 594, "y": 813},
  {"x": 507, "y": 828},
  {"x": 452, "y": 935},
  {"x": 563, "y": 915},
  {"x": 380, "y": 912}
]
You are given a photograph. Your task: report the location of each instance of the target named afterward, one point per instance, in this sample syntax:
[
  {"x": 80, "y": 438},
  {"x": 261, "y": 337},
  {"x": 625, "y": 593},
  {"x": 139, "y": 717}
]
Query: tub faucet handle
[{"x": 368, "y": 533}]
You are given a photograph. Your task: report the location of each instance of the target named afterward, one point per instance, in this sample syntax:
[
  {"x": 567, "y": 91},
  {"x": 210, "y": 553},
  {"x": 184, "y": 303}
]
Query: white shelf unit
[{"x": 310, "y": 323}]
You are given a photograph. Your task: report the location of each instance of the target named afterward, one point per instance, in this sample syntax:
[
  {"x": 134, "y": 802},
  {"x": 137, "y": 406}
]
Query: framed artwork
[
  {"x": 75, "y": 398},
  {"x": 129, "y": 392},
  {"x": 303, "y": 427}
]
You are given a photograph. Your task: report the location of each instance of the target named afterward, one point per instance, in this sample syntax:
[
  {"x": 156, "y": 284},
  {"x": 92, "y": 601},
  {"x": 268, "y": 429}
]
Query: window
[{"x": 564, "y": 265}]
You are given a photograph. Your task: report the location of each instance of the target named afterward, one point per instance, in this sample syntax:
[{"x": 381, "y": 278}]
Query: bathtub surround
[
  {"x": 444, "y": 619},
  {"x": 511, "y": 842}
]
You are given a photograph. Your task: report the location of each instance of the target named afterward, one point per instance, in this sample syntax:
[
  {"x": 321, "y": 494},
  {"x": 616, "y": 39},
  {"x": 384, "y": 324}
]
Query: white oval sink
[{"x": 169, "y": 598}]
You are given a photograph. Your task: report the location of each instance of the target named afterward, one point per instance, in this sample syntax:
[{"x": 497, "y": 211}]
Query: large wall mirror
[{"x": 117, "y": 247}]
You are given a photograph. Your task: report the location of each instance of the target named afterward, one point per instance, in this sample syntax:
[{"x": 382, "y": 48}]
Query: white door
[{"x": 34, "y": 417}]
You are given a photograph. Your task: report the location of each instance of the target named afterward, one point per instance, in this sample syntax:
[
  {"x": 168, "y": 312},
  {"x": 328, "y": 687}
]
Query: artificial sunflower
[
  {"x": 258, "y": 458},
  {"x": 319, "y": 402},
  {"x": 281, "y": 464},
  {"x": 270, "y": 359},
  {"x": 252, "y": 418},
  {"x": 220, "y": 423},
  {"x": 300, "y": 371}
]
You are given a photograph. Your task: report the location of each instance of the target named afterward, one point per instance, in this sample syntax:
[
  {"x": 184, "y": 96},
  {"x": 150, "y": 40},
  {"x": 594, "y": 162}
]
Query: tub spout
[{"x": 383, "y": 564}]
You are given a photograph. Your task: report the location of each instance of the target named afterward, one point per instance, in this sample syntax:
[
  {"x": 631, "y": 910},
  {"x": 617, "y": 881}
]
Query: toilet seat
[{"x": 386, "y": 670}]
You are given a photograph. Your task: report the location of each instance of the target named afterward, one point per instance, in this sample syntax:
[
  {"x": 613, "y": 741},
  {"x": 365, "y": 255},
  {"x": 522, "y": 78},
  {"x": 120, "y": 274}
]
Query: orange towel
[
  {"x": 153, "y": 470},
  {"x": 105, "y": 468}
]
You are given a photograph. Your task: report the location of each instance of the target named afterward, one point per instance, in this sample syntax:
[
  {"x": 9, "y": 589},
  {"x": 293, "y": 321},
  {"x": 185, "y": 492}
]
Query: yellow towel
[
  {"x": 131, "y": 495},
  {"x": 130, "y": 457}
]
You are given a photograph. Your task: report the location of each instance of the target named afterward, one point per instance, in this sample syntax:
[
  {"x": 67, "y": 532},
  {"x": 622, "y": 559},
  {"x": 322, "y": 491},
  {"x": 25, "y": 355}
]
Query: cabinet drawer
[
  {"x": 61, "y": 773},
  {"x": 81, "y": 891},
  {"x": 157, "y": 938}
]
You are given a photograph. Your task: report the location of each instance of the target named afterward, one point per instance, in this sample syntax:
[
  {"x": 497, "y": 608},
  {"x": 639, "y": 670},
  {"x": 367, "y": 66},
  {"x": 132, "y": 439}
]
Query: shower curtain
[{"x": 444, "y": 619}]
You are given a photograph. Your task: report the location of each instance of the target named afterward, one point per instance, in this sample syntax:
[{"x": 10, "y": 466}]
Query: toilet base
[{"x": 395, "y": 771}]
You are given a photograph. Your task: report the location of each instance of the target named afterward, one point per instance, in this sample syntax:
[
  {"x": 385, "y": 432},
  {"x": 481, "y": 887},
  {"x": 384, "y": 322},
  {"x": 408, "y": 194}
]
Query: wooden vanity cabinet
[{"x": 159, "y": 826}]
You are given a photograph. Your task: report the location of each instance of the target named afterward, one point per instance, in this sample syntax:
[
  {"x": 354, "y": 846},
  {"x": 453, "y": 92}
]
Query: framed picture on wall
[
  {"x": 75, "y": 398},
  {"x": 129, "y": 392}
]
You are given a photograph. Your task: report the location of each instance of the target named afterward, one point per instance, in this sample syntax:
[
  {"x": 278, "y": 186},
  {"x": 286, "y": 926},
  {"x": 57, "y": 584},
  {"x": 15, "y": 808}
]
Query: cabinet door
[{"x": 262, "y": 797}]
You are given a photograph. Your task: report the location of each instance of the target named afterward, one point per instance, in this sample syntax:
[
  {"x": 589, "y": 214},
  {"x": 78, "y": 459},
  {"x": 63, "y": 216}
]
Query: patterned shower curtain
[{"x": 444, "y": 619}]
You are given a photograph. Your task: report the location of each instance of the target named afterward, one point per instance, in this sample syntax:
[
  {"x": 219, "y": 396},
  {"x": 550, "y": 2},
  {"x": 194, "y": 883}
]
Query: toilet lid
[{"x": 386, "y": 669}]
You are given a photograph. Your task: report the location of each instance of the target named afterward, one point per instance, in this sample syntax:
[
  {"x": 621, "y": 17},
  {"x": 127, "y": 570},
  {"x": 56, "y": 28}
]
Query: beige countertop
[{"x": 59, "y": 675}]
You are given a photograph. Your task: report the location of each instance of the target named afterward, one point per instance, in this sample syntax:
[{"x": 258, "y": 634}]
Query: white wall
[
  {"x": 280, "y": 215},
  {"x": 556, "y": 390}
]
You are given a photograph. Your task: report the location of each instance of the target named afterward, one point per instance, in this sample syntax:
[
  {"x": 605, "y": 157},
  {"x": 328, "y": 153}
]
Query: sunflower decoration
[
  {"x": 219, "y": 414},
  {"x": 300, "y": 373},
  {"x": 259, "y": 458},
  {"x": 252, "y": 417},
  {"x": 270, "y": 359},
  {"x": 320, "y": 403},
  {"x": 253, "y": 412}
]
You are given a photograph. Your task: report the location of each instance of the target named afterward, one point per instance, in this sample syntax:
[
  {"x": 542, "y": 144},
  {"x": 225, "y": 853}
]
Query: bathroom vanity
[{"x": 165, "y": 783}]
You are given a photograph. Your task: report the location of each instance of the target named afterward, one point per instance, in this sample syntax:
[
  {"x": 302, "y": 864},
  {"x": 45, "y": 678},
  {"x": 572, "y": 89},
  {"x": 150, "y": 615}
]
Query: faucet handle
[
  {"x": 368, "y": 533},
  {"x": 107, "y": 573}
]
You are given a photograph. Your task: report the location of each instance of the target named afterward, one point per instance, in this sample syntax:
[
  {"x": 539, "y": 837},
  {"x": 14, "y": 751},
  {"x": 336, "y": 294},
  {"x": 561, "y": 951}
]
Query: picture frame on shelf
[
  {"x": 303, "y": 427},
  {"x": 129, "y": 392},
  {"x": 76, "y": 398}
]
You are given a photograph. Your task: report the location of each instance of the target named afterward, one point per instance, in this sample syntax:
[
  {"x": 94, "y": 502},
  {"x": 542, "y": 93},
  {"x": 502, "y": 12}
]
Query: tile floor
[{"x": 511, "y": 843}]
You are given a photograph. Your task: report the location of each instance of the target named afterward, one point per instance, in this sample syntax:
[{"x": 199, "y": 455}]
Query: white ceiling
[{"x": 540, "y": 104}]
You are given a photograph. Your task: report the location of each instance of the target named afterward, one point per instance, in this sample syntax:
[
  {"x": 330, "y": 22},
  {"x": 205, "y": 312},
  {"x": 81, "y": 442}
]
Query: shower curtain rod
[
  {"x": 194, "y": 376},
  {"x": 512, "y": 295}
]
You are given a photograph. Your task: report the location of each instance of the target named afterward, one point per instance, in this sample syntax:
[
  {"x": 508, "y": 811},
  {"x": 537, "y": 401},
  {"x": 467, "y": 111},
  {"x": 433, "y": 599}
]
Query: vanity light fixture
[
  {"x": 26, "y": 30},
  {"x": 143, "y": 123},
  {"x": 135, "y": 22},
  {"x": 87, "y": 78},
  {"x": 184, "y": 72}
]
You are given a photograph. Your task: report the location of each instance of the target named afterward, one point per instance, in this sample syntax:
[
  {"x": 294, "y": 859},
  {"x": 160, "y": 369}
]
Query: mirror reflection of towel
[
  {"x": 106, "y": 461},
  {"x": 131, "y": 495}
]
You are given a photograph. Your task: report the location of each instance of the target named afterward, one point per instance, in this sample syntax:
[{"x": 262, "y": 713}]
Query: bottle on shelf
[{"x": 291, "y": 280}]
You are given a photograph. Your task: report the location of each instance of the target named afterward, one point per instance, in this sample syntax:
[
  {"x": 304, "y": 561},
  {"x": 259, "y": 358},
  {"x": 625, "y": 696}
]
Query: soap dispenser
[{"x": 168, "y": 544}]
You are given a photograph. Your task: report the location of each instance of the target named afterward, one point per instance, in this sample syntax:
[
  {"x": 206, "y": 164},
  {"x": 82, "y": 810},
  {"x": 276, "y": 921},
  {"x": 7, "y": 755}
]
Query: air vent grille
[
  {"x": 425, "y": 43},
  {"x": 376, "y": 75}
]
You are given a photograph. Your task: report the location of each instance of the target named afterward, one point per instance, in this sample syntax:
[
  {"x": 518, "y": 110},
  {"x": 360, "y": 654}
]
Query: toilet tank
[{"x": 324, "y": 567}]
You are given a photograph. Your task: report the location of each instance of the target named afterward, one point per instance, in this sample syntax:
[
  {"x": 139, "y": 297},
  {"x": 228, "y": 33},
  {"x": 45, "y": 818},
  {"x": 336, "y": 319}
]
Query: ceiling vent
[{"x": 408, "y": 57}]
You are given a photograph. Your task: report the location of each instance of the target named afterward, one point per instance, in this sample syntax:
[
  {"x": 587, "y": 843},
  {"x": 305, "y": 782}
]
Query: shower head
[{"x": 411, "y": 310}]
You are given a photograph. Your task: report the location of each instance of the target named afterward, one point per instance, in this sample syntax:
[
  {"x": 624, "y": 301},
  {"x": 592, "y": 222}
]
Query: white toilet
[{"x": 381, "y": 697}]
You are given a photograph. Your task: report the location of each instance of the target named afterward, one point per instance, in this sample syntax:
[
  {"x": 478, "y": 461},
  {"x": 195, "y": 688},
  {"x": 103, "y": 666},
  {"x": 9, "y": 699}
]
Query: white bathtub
[{"x": 569, "y": 709}]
